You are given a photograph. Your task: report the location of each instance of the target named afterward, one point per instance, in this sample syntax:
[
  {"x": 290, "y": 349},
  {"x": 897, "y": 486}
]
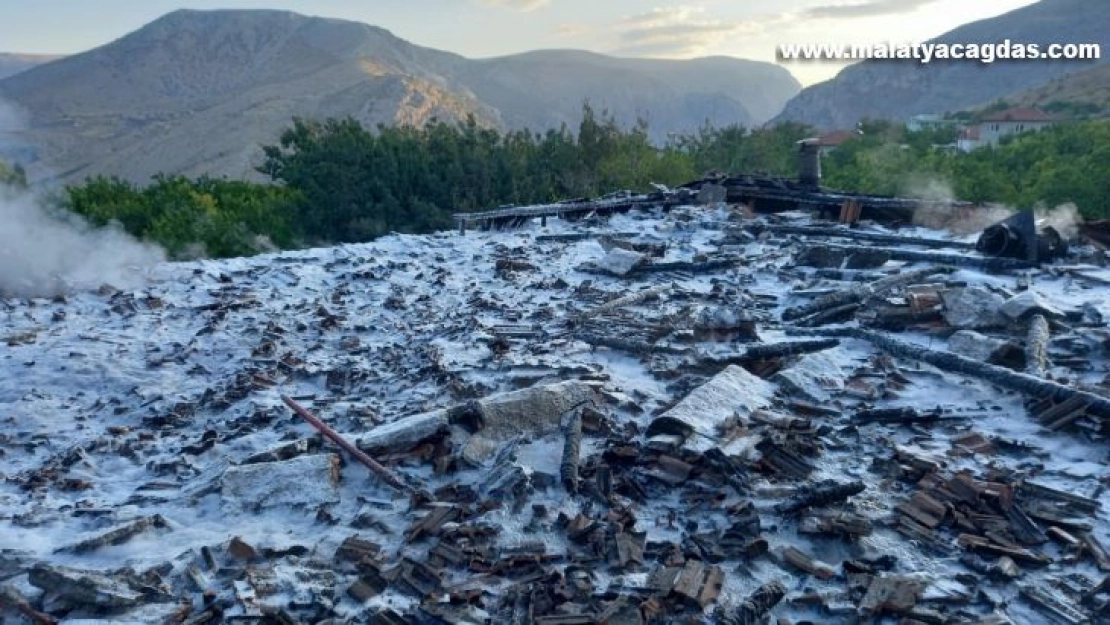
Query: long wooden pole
[{"x": 359, "y": 455}]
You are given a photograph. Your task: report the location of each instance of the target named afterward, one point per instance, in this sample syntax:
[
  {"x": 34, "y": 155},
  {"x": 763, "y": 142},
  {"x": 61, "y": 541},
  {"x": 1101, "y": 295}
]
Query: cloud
[
  {"x": 676, "y": 31},
  {"x": 573, "y": 30},
  {"x": 516, "y": 5},
  {"x": 872, "y": 8}
]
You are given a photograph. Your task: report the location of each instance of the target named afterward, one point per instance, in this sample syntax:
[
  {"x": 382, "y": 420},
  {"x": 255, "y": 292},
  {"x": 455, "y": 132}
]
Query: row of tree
[
  {"x": 337, "y": 181},
  {"x": 1068, "y": 163}
]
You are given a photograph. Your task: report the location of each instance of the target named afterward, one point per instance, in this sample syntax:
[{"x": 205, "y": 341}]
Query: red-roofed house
[
  {"x": 967, "y": 139},
  {"x": 995, "y": 126},
  {"x": 832, "y": 140}
]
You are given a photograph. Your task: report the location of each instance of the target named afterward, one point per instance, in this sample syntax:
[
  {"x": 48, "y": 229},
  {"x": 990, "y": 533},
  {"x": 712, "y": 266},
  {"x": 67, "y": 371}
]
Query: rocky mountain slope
[
  {"x": 12, "y": 64},
  {"x": 197, "y": 91},
  {"x": 900, "y": 89},
  {"x": 1082, "y": 93}
]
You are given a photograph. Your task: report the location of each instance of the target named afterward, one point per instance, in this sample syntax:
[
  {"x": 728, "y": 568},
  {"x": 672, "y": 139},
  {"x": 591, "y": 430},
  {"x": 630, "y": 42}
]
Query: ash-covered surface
[{"x": 583, "y": 445}]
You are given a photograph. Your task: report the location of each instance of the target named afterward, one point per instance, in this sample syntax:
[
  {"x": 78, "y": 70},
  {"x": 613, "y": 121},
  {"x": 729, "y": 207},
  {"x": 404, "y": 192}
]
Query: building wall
[{"x": 991, "y": 132}]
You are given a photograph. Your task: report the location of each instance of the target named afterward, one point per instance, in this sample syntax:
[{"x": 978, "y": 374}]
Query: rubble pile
[{"x": 678, "y": 415}]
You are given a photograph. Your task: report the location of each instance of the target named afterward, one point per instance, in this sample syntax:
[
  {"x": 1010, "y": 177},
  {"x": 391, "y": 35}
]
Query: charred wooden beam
[
  {"x": 572, "y": 444},
  {"x": 770, "y": 351},
  {"x": 631, "y": 346},
  {"x": 1036, "y": 346},
  {"x": 628, "y": 300},
  {"x": 116, "y": 536},
  {"x": 12, "y": 599},
  {"x": 830, "y": 315},
  {"x": 903, "y": 416},
  {"x": 860, "y": 293},
  {"x": 986, "y": 263},
  {"x": 837, "y": 524},
  {"x": 1054, "y": 604},
  {"x": 377, "y": 469},
  {"x": 954, "y": 363},
  {"x": 705, "y": 266},
  {"x": 860, "y": 235},
  {"x": 820, "y": 494},
  {"x": 756, "y": 606},
  {"x": 572, "y": 237}
]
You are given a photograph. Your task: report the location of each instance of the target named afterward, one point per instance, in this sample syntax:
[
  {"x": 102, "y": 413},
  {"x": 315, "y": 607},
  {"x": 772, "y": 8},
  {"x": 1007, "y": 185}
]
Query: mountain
[
  {"x": 197, "y": 92},
  {"x": 1082, "y": 93},
  {"x": 899, "y": 89},
  {"x": 11, "y": 63}
]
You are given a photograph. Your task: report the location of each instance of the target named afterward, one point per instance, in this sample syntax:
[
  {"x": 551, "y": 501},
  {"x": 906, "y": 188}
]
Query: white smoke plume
[
  {"x": 46, "y": 252},
  {"x": 1065, "y": 219},
  {"x": 964, "y": 221}
]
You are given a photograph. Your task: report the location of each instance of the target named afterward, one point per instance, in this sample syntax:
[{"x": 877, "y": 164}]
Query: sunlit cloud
[
  {"x": 872, "y": 8},
  {"x": 516, "y": 5},
  {"x": 676, "y": 32}
]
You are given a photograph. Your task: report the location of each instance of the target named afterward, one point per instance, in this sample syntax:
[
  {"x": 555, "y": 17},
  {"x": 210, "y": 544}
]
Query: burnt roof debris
[{"x": 739, "y": 416}]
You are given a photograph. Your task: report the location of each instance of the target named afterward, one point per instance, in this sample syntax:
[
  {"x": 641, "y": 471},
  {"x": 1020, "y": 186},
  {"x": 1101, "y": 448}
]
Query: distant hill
[
  {"x": 12, "y": 63},
  {"x": 899, "y": 89},
  {"x": 196, "y": 92},
  {"x": 1081, "y": 94}
]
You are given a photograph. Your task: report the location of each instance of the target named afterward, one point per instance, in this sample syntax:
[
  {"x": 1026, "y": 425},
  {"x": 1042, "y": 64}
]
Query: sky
[{"x": 749, "y": 29}]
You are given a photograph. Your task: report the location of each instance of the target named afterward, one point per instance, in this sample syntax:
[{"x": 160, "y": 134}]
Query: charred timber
[
  {"x": 888, "y": 416},
  {"x": 707, "y": 266},
  {"x": 858, "y": 235},
  {"x": 861, "y": 292},
  {"x": 1098, "y": 405},
  {"x": 1036, "y": 346},
  {"x": 514, "y": 216},
  {"x": 573, "y": 237},
  {"x": 820, "y": 494},
  {"x": 986, "y": 263},
  {"x": 757, "y": 605},
  {"x": 377, "y": 469},
  {"x": 830, "y": 315},
  {"x": 770, "y": 351},
  {"x": 629, "y": 345},
  {"x": 628, "y": 300},
  {"x": 572, "y": 446}
]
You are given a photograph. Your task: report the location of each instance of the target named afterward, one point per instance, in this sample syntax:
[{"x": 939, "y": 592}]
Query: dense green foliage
[
  {"x": 1065, "y": 163},
  {"x": 337, "y": 181},
  {"x": 358, "y": 184},
  {"x": 193, "y": 218}
]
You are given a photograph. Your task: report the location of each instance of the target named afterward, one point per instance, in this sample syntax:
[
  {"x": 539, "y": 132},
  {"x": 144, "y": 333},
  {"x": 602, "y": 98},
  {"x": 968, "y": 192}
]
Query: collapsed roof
[{"x": 670, "y": 413}]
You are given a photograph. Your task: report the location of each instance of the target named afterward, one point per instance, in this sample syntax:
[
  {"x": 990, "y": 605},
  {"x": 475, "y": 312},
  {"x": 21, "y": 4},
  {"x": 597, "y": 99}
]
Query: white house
[
  {"x": 992, "y": 128},
  {"x": 928, "y": 121}
]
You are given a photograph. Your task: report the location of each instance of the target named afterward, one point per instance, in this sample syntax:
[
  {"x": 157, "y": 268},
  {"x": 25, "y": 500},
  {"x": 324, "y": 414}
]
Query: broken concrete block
[
  {"x": 532, "y": 411},
  {"x": 814, "y": 376},
  {"x": 974, "y": 308},
  {"x": 1027, "y": 303},
  {"x": 724, "y": 323},
  {"x": 529, "y": 412},
  {"x": 984, "y": 348},
  {"x": 620, "y": 262},
  {"x": 892, "y": 594},
  {"x": 731, "y": 391},
  {"x": 84, "y": 588},
  {"x": 404, "y": 434},
  {"x": 308, "y": 481}
]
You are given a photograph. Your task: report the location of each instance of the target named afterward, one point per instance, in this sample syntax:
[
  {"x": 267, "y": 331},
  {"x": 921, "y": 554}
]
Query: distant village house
[
  {"x": 992, "y": 128},
  {"x": 832, "y": 140}
]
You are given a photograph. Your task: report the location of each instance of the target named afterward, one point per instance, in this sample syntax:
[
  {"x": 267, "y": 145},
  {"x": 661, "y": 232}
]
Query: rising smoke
[
  {"x": 45, "y": 252},
  {"x": 963, "y": 221}
]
